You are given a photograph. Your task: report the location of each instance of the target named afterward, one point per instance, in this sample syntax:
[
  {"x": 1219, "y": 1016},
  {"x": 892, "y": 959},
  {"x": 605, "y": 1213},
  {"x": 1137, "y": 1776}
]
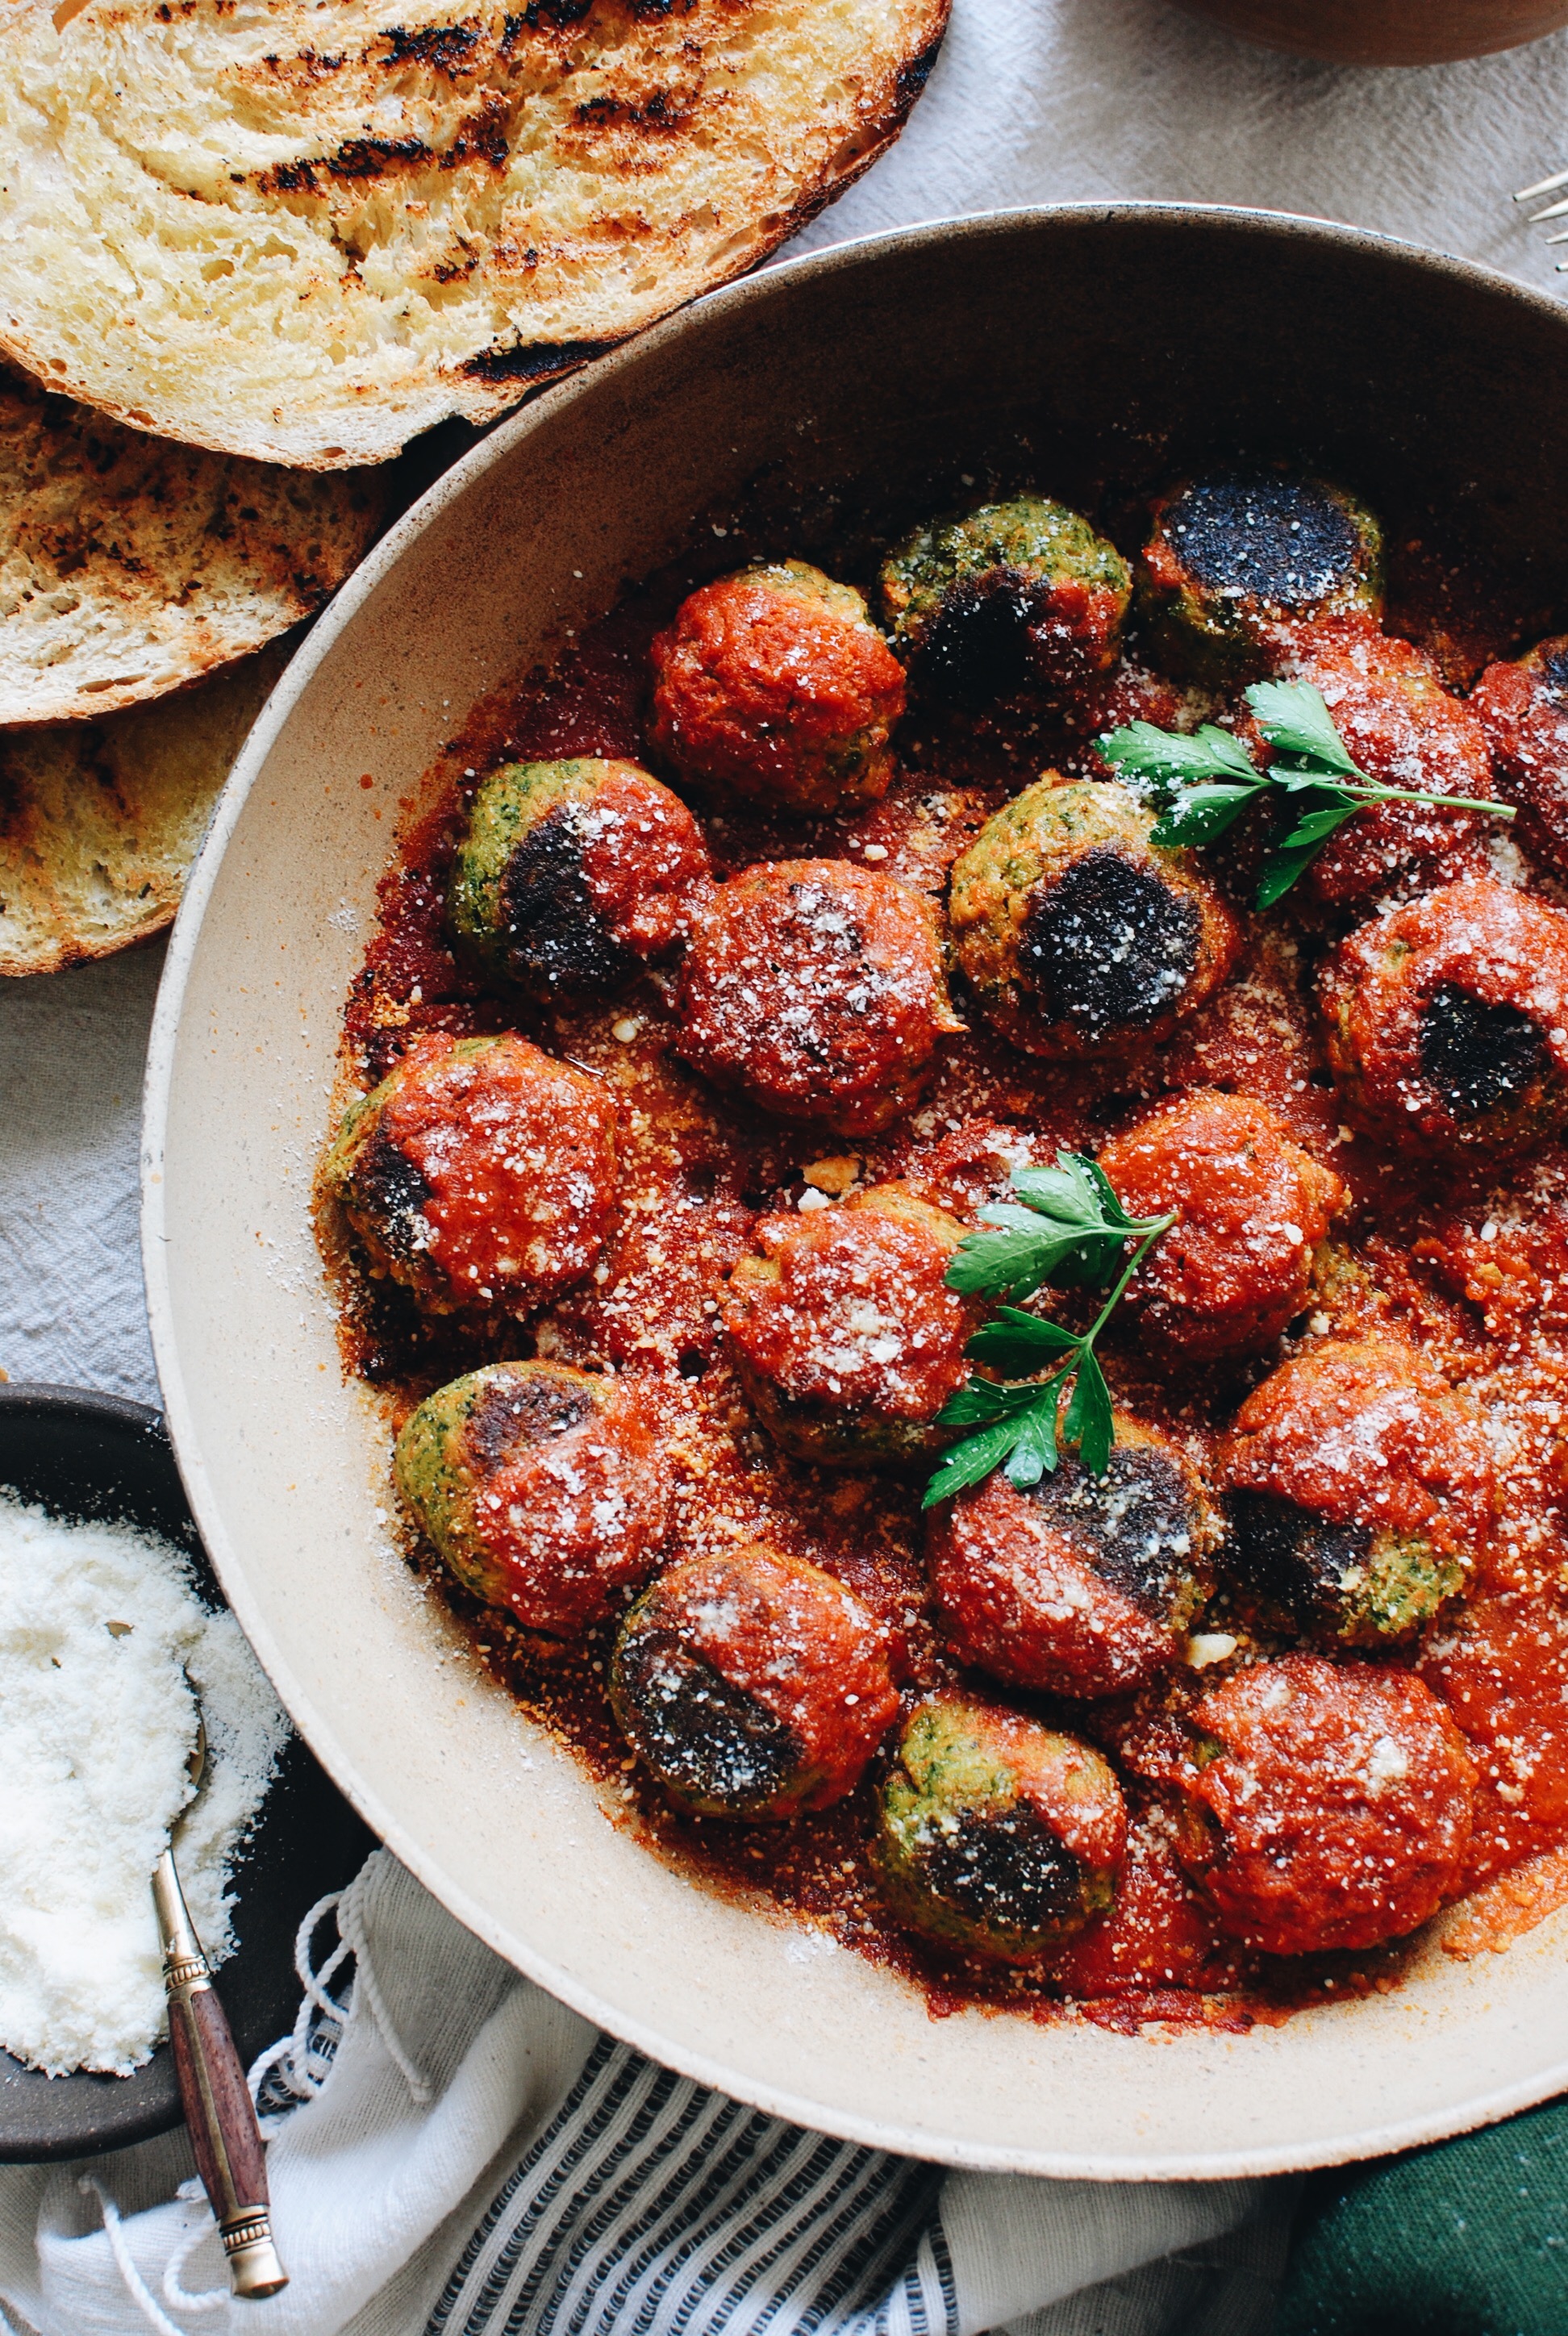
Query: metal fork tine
[
  {"x": 1545, "y": 187},
  {"x": 1553, "y": 210}
]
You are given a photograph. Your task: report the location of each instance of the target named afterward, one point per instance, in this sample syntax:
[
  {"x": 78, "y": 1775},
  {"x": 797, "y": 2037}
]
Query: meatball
[
  {"x": 543, "y": 1489},
  {"x": 480, "y": 1172},
  {"x": 774, "y": 686},
  {"x": 1076, "y": 934},
  {"x": 1448, "y": 1020},
  {"x": 570, "y": 874},
  {"x": 1009, "y": 594},
  {"x": 816, "y": 988},
  {"x": 998, "y": 1837},
  {"x": 1359, "y": 1493},
  {"x": 1328, "y": 1805},
  {"x": 1252, "y": 1211},
  {"x": 847, "y": 1338},
  {"x": 1523, "y": 708},
  {"x": 1237, "y": 559},
  {"x": 753, "y": 1686},
  {"x": 1083, "y": 1585}
]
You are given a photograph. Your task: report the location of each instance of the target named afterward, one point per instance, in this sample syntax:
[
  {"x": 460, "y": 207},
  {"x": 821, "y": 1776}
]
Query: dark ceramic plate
[{"x": 96, "y": 1455}]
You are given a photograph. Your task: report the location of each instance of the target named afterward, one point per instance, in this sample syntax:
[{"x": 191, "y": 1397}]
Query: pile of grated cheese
[{"x": 101, "y": 1640}]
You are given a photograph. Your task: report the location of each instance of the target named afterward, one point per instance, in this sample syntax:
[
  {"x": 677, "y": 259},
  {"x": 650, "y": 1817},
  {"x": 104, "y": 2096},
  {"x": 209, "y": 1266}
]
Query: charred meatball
[
  {"x": 570, "y": 875},
  {"x": 1448, "y": 1020},
  {"x": 1237, "y": 559},
  {"x": 1252, "y": 1211},
  {"x": 753, "y": 1686},
  {"x": 1076, "y": 934},
  {"x": 774, "y": 686},
  {"x": 1523, "y": 708},
  {"x": 1401, "y": 726},
  {"x": 1083, "y": 1585},
  {"x": 816, "y": 988},
  {"x": 1010, "y": 594},
  {"x": 1328, "y": 1805},
  {"x": 998, "y": 1837},
  {"x": 543, "y": 1489},
  {"x": 847, "y": 1337},
  {"x": 1359, "y": 1493},
  {"x": 481, "y": 1173}
]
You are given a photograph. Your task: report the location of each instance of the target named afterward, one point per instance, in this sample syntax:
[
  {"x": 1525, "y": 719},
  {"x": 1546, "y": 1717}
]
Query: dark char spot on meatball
[
  {"x": 1134, "y": 1525},
  {"x": 976, "y": 649},
  {"x": 389, "y": 1186},
  {"x": 1003, "y": 1866},
  {"x": 1476, "y": 1055},
  {"x": 1554, "y": 670},
  {"x": 1108, "y": 946},
  {"x": 1281, "y": 541},
  {"x": 528, "y": 1411},
  {"x": 1289, "y": 1556},
  {"x": 707, "y": 1736},
  {"x": 555, "y": 938}
]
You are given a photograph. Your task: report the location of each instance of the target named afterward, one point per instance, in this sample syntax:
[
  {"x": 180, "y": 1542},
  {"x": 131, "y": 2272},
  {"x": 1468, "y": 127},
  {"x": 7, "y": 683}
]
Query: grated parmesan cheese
[{"x": 99, "y": 1628}]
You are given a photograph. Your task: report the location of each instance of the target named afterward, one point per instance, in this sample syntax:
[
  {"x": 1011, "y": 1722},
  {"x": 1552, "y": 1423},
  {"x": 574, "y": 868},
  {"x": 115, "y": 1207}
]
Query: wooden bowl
[
  {"x": 1388, "y": 32},
  {"x": 1106, "y": 347}
]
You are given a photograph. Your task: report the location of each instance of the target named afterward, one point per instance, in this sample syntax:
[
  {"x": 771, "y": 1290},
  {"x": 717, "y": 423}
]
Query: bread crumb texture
[
  {"x": 130, "y": 567},
  {"x": 306, "y": 230},
  {"x": 100, "y": 821}
]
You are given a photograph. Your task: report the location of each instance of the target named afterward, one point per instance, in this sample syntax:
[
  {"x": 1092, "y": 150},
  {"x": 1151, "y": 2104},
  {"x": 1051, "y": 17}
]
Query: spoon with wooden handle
[{"x": 213, "y": 2092}]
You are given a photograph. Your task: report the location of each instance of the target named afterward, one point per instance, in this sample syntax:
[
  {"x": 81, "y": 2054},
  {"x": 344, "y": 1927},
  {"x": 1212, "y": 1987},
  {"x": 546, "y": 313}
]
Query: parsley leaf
[{"x": 1294, "y": 718}]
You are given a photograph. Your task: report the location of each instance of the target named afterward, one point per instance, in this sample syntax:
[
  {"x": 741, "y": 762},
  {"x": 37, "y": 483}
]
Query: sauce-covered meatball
[
  {"x": 1082, "y": 1585},
  {"x": 1328, "y": 1805},
  {"x": 1076, "y": 934},
  {"x": 847, "y": 1337},
  {"x": 480, "y": 1172},
  {"x": 1448, "y": 1020},
  {"x": 1237, "y": 559},
  {"x": 774, "y": 686},
  {"x": 816, "y": 988},
  {"x": 1358, "y": 1490},
  {"x": 1010, "y": 594},
  {"x": 1401, "y": 726},
  {"x": 1522, "y": 707},
  {"x": 1252, "y": 1211},
  {"x": 543, "y": 1489},
  {"x": 572, "y": 874},
  {"x": 753, "y": 1686},
  {"x": 998, "y": 1837}
]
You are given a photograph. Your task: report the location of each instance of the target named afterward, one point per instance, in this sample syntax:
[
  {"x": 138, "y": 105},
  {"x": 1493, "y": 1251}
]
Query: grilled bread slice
[
  {"x": 130, "y": 567},
  {"x": 306, "y": 230},
  {"x": 100, "y": 821}
]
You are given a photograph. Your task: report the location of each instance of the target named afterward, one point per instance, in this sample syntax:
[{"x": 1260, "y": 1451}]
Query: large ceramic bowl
[{"x": 1115, "y": 343}]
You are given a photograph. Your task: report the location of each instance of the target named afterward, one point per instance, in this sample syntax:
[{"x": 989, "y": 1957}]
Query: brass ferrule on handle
[{"x": 218, "y": 2111}]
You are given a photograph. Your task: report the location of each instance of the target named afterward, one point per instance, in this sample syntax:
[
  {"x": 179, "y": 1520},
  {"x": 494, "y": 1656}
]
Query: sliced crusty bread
[
  {"x": 306, "y": 230},
  {"x": 130, "y": 567},
  {"x": 100, "y": 821}
]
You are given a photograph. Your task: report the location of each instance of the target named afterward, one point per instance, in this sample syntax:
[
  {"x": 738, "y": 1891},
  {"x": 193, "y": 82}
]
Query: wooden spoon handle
[{"x": 215, "y": 2098}]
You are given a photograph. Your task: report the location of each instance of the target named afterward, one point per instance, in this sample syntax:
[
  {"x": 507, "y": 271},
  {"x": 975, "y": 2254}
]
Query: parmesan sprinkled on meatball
[
  {"x": 815, "y": 988},
  {"x": 1522, "y": 707}
]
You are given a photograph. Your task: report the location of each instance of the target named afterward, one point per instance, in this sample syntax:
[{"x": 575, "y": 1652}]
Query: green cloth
[{"x": 1467, "y": 2239}]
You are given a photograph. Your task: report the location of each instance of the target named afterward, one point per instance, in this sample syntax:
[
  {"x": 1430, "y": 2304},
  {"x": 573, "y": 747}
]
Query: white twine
[
  {"x": 299, "y": 2063},
  {"x": 136, "y": 2287}
]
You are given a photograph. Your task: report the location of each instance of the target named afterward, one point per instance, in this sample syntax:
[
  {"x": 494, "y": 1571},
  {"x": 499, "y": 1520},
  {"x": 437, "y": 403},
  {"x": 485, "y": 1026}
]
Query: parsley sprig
[
  {"x": 1073, "y": 1231},
  {"x": 1203, "y": 783}
]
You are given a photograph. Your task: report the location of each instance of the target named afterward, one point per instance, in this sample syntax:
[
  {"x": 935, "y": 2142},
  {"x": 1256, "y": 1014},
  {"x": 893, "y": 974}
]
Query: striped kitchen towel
[{"x": 452, "y": 2153}]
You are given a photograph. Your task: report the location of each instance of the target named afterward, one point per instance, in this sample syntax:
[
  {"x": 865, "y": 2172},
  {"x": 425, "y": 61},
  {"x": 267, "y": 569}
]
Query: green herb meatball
[
  {"x": 1076, "y": 934},
  {"x": 753, "y": 1685},
  {"x": 1081, "y": 1585},
  {"x": 570, "y": 875},
  {"x": 543, "y": 1489},
  {"x": 1359, "y": 1493},
  {"x": 998, "y": 1837},
  {"x": 480, "y": 1172},
  {"x": 1236, "y": 558},
  {"x": 1010, "y": 594},
  {"x": 774, "y": 686},
  {"x": 847, "y": 1338}
]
